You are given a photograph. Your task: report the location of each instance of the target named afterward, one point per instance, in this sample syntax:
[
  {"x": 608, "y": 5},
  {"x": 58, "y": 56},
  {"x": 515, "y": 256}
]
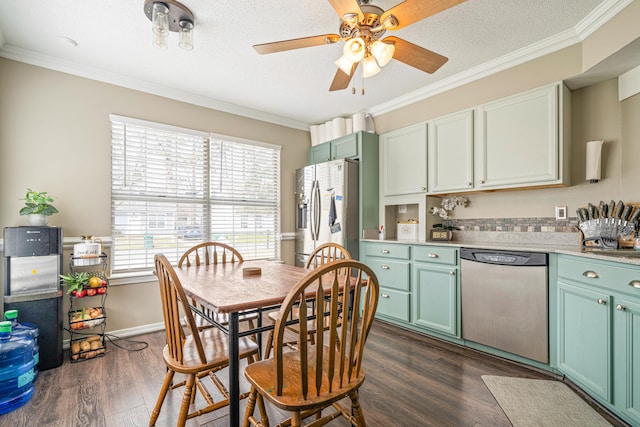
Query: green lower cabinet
[
  {"x": 435, "y": 298},
  {"x": 626, "y": 318},
  {"x": 394, "y": 304},
  {"x": 584, "y": 338}
]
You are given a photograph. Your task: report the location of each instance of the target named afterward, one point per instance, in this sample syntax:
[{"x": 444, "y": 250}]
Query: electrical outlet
[
  {"x": 402, "y": 208},
  {"x": 561, "y": 213}
]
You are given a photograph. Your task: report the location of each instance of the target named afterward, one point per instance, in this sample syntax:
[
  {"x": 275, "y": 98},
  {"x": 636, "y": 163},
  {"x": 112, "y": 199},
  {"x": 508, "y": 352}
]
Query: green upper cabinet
[
  {"x": 320, "y": 153},
  {"x": 345, "y": 147},
  {"x": 523, "y": 140},
  {"x": 450, "y": 153},
  {"x": 403, "y": 161}
]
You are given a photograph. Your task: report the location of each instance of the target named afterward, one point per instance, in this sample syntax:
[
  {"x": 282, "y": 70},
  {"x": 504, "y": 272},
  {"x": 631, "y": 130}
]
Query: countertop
[{"x": 626, "y": 256}]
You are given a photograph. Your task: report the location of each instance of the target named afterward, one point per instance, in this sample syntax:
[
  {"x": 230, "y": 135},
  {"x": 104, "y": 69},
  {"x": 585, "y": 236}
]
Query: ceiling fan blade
[
  {"x": 296, "y": 43},
  {"x": 410, "y": 11},
  {"x": 341, "y": 79},
  {"x": 347, "y": 6},
  {"x": 416, "y": 56}
]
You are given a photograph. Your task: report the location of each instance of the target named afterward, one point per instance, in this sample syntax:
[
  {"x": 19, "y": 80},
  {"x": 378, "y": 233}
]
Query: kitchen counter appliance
[{"x": 504, "y": 301}]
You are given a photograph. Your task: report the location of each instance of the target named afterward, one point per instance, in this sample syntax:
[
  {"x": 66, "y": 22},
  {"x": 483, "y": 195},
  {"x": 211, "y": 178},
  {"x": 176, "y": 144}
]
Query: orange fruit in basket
[{"x": 95, "y": 282}]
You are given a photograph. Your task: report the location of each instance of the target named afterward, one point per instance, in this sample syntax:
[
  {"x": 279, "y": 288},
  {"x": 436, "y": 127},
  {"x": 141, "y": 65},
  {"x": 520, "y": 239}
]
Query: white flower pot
[{"x": 38, "y": 220}]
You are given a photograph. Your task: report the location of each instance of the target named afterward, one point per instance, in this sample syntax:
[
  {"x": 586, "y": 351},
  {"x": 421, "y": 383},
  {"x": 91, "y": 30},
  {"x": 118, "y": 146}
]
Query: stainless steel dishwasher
[{"x": 504, "y": 301}]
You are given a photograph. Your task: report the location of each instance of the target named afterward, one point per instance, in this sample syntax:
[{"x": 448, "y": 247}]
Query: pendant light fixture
[{"x": 169, "y": 16}]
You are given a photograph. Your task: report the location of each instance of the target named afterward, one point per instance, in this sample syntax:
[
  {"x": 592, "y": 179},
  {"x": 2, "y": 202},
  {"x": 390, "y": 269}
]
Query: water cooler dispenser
[{"x": 32, "y": 268}]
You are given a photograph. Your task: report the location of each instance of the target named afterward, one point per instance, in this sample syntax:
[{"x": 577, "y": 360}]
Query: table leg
[{"x": 234, "y": 371}]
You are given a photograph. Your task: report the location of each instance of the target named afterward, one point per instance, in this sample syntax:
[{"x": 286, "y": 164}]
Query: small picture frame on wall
[{"x": 561, "y": 212}]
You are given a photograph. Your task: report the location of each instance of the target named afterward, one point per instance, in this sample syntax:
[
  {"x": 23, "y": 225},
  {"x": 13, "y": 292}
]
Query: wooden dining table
[{"x": 230, "y": 289}]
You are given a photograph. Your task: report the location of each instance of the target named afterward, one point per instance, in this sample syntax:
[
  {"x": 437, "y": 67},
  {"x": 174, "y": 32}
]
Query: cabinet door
[
  {"x": 435, "y": 298},
  {"x": 518, "y": 141},
  {"x": 403, "y": 166},
  {"x": 345, "y": 147},
  {"x": 450, "y": 153},
  {"x": 627, "y": 357},
  {"x": 584, "y": 338},
  {"x": 320, "y": 153}
]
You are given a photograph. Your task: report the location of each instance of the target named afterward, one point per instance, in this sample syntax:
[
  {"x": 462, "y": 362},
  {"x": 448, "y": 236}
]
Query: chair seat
[
  {"x": 262, "y": 375},
  {"x": 216, "y": 349}
]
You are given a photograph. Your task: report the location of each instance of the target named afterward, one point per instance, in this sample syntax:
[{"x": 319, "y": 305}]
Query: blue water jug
[
  {"x": 16, "y": 369},
  {"x": 25, "y": 329}
]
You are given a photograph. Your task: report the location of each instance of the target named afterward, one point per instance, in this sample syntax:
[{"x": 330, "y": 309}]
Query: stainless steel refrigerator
[{"x": 326, "y": 197}]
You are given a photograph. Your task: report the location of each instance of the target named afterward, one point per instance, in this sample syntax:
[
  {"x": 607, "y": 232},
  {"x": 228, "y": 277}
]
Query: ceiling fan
[{"x": 362, "y": 28}]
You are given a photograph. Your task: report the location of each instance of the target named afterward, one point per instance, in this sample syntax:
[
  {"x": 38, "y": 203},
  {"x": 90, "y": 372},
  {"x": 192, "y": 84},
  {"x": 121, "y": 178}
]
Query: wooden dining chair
[
  {"x": 197, "y": 355},
  {"x": 319, "y": 375},
  {"x": 214, "y": 253},
  {"x": 323, "y": 254}
]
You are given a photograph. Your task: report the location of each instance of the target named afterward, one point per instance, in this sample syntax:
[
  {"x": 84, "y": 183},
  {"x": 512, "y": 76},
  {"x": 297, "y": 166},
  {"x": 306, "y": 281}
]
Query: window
[{"x": 173, "y": 188}]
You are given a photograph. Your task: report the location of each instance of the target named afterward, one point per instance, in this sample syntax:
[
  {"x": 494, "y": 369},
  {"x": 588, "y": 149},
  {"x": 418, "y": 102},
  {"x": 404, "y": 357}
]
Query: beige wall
[{"x": 55, "y": 136}]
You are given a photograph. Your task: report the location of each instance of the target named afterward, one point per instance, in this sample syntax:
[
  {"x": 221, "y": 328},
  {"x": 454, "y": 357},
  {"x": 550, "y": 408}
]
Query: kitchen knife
[
  {"x": 635, "y": 216},
  {"x": 579, "y": 214},
  {"x": 626, "y": 212},
  {"x": 619, "y": 209},
  {"x": 585, "y": 214},
  {"x": 593, "y": 213},
  {"x": 612, "y": 208},
  {"x": 602, "y": 207}
]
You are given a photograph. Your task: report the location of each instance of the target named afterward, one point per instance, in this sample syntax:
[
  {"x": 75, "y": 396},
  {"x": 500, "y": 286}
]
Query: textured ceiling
[{"x": 224, "y": 71}]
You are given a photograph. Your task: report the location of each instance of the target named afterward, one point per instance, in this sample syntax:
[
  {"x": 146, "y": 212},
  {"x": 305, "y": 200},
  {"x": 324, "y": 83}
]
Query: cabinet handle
[
  {"x": 602, "y": 301},
  {"x": 453, "y": 273},
  {"x": 384, "y": 295},
  {"x": 423, "y": 188},
  {"x": 469, "y": 184},
  {"x": 590, "y": 274},
  {"x": 482, "y": 181},
  {"x": 432, "y": 255},
  {"x": 385, "y": 251},
  {"x": 384, "y": 267},
  {"x": 620, "y": 307},
  {"x": 635, "y": 284}
]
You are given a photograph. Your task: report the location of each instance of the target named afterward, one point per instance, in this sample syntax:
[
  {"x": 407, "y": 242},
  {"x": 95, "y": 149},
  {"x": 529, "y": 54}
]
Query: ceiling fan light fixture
[
  {"x": 185, "y": 39},
  {"x": 369, "y": 67},
  {"x": 345, "y": 65},
  {"x": 383, "y": 52},
  {"x": 354, "y": 49}
]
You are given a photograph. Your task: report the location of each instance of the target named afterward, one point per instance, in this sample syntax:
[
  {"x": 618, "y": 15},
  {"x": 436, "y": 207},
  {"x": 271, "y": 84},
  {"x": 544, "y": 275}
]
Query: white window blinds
[{"x": 173, "y": 188}]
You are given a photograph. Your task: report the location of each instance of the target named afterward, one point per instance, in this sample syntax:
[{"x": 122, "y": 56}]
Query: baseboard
[{"x": 129, "y": 332}]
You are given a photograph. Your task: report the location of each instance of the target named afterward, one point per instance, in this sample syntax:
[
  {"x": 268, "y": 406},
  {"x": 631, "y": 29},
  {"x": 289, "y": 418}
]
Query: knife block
[{"x": 621, "y": 242}]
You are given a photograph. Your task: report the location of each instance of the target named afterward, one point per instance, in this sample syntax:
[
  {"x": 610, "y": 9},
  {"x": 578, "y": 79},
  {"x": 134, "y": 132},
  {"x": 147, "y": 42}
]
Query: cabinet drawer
[
  {"x": 600, "y": 273},
  {"x": 391, "y": 274},
  {"x": 394, "y": 304},
  {"x": 436, "y": 254},
  {"x": 387, "y": 250}
]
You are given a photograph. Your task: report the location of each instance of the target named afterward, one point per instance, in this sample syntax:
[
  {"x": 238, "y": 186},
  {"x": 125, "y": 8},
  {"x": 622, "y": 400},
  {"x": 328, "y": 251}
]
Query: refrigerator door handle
[{"x": 316, "y": 211}]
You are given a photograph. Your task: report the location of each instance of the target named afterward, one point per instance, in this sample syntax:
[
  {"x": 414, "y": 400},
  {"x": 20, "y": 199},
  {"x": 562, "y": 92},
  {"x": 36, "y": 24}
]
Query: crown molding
[
  {"x": 32, "y": 58},
  {"x": 598, "y": 17}
]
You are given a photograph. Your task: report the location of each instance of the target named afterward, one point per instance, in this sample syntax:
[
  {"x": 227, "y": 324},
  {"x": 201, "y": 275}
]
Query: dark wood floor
[{"x": 412, "y": 380}]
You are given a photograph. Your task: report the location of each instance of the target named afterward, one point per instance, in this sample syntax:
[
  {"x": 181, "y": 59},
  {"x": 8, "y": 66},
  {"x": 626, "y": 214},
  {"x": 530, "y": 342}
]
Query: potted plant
[
  {"x": 447, "y": 205},
  {"x": 38, "y": 207}
]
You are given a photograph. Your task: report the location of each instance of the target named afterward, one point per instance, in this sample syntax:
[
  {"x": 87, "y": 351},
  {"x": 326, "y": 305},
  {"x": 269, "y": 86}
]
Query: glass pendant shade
[
  {"x": 160, "y": 19},
  {"x": 160, "y": 41},
  {"x": 383, "y": 52},
  {"x": 354, "y": 49},
  {"x": 185, "y": 40},
  {"x": 369, "y": 67},
  {"x": 345, "y": 65}
]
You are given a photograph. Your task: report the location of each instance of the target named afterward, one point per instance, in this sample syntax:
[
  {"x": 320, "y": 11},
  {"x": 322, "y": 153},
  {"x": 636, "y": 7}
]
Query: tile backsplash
[{"x": 525, "y": 225}]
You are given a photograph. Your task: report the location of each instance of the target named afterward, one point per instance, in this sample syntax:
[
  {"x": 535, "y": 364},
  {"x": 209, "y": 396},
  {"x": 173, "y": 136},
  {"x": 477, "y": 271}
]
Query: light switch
[{"x": 402, "y": 208}]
